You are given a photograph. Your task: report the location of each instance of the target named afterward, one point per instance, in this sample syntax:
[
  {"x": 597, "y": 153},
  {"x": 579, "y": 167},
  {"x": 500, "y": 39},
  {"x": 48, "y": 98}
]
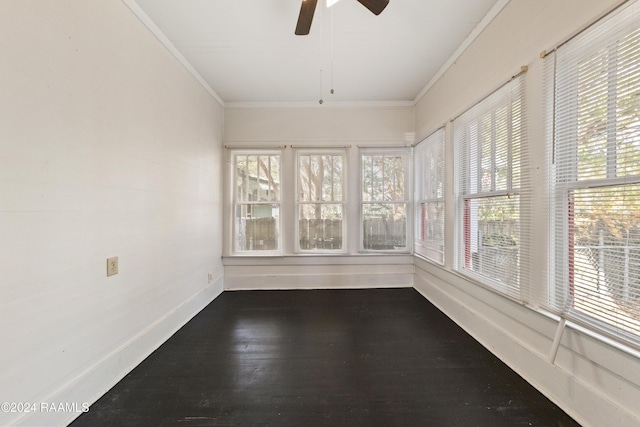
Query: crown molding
[
  {"x": 144, "y": 18},
  {"x": 482, "y": 25},
  {"x": 325, "y": 104}
]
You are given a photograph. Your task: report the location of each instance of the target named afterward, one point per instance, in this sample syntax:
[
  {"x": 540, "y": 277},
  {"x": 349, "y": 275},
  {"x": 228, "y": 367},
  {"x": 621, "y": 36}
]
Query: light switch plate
[{"x": 112, "y": 266}]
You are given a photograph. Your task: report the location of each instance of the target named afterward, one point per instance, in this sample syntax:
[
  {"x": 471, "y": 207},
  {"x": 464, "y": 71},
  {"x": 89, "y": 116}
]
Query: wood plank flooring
[{"x": 374, "y": 357}]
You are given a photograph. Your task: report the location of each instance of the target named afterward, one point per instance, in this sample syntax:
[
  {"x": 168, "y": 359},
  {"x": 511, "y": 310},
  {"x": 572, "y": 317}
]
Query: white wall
[
  {"x": 594, "y": 381},
  {"x": 324, "y": 124},
  {"x": 108, "y": 147}
]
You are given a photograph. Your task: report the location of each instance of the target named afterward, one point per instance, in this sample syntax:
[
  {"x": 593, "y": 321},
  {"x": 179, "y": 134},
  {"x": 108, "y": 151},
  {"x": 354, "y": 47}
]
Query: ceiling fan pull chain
[
  {"x": 321, "y": 101},
  {"x": 331, "y": 19}
]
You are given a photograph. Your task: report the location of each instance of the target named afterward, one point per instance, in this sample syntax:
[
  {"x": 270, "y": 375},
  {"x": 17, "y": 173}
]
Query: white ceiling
[{"x": 246, "y": 50}]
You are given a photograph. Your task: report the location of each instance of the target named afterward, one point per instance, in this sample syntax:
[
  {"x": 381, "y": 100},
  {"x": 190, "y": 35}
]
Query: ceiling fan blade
[
  {"x": 375, "y": 6},
  {"x": 307, "y": 8}
]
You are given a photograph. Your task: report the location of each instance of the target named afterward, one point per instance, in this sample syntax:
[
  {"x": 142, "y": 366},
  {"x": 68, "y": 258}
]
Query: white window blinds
[
  {"x": 492, "y": 189},
  {"x": 595, "y": 79},
  {"x": 429, "y": 179}
]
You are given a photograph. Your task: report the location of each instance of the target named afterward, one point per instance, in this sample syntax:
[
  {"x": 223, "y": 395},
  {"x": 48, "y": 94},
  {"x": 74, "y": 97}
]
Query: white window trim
[
  {"x": 560, "y": 298},
  {"x": 465, "y": 191},
  {"x": 406, "y": 152},
  {"x": 422, "y": 247},
  {"x": 345, "y": 177},
  {"x": 235, "y": 203}
]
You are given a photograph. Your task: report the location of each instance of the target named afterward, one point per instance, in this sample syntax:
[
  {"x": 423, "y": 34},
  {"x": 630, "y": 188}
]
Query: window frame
[
  {"x": 341, "y": 152},
  {"x": 237, "y": 202},
  {"x": 405, "y": 153},
  {"x": 429, "y": 160},
  {"x": 601, "y": 41},
  {"x": 470, "y": 184}
]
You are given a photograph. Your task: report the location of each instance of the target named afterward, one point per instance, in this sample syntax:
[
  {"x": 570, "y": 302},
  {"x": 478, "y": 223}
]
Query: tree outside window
[
  {"x": 384, "y": 175},
  {"x": 321, "y": 201}
]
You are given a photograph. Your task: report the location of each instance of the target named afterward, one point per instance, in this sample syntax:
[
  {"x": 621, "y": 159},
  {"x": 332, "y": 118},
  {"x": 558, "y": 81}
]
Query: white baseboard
[
  {"x": 522, "y": 338},
  {"x": 88, "y": 386},
  {"x": 328, "y": 281}
]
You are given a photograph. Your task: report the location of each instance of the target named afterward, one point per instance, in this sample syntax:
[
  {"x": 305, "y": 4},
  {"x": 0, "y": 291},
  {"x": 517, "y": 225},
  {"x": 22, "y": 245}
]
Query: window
[
  {"x": 488, "y": 140},
  {"x": 385, "y": 199},
  {"x": 429, "y": 173},
  {"x": 256, "y": 202},
  {"x": 596, "y": 180},
  {"x": 321, "y": 200}
]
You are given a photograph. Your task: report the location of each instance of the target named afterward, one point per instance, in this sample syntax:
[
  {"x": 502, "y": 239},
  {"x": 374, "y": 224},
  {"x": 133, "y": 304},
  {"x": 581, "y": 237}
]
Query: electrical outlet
[
  {"x": 112, "y": 266},
  {"x": 210, "y": 277}
]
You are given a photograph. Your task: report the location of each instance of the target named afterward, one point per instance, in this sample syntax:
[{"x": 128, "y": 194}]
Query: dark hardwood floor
[{"x": 375, "y": 357}]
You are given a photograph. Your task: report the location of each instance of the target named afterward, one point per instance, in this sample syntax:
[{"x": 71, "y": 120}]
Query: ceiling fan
[{"x": 308, "y": 7}]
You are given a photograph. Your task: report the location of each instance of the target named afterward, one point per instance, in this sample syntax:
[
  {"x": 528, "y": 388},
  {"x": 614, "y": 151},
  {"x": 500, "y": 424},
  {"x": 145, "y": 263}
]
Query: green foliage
[{"x": 498, "y": 239}]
